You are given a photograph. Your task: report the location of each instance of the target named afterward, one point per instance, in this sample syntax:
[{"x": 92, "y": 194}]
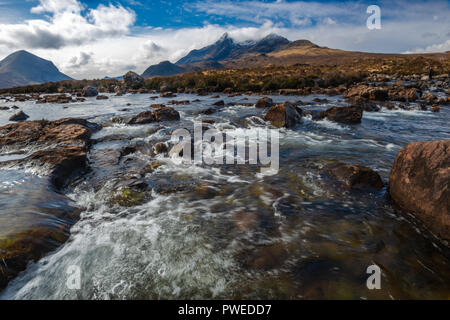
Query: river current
[{"x": 227, "y": 231}]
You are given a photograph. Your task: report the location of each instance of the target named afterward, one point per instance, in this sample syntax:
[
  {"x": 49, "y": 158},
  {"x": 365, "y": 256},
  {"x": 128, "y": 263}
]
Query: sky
[{"x": 92, "y": 39}]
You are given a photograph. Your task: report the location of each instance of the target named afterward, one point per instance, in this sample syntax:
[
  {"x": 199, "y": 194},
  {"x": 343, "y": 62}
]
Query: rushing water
[{"x": 227, "y": 231}]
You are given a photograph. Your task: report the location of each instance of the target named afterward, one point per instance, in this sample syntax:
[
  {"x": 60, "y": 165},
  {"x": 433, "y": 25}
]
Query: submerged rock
[
  {"x": 420, "y": 184},
  {"x": 284, "y": 115},
  {"x": 354, "y": 176},
  {"x": 20, "y": 116},
  {"x": 347, "y": 115}
]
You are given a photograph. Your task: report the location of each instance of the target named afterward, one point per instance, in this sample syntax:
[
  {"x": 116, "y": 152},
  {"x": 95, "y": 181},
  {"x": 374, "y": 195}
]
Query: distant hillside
[
  {"x": 23, "y": 68},
  {"x": 165, "y": 68},
  {"x": 272, "y": 50}
]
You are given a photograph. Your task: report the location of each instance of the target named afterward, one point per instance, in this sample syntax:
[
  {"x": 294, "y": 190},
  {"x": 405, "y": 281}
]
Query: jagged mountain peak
[{"x": 225, "y": 37}]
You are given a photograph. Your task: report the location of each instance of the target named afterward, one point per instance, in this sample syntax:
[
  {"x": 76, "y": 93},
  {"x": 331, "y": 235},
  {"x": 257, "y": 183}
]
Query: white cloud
[
  {"x": 440, "y": 47},
  {"x": 58, "y": 6},
  {"x": 66, "y": 25}
]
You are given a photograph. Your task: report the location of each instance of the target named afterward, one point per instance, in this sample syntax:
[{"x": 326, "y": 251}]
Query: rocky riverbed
[{"x": 92, "y": 183}]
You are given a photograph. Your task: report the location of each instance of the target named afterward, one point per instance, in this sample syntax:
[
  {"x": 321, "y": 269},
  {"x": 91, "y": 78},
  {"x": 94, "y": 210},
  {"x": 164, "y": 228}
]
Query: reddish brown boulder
[
  {"x": 284, "y": 115},
  {"x": 354, "y": 176},
  {"x": 347, "y": 115},
  {"x": 264, "y": 103},
  {"x": 419, "y": 184}
]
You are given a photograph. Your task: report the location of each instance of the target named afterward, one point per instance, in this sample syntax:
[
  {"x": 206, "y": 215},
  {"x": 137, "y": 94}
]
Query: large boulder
[
  {"x": 89, "y": 92},
  {"x": 354, "y": 176},
  {"x": 133, "y": 81},
  {"x": 346, "y": 115},
  {"x": 264, "y": 102},
  {"x": 284, "y": 115},
  {"x": 420, "y": 184}
]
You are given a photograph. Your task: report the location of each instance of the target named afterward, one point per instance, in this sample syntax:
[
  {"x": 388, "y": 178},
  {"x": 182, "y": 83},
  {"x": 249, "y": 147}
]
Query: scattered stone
[
  {"x": 160, "y": 147},
  {"x": 20, "y": 116},
  {"x": 60, "y": 98},
  {"x": 168, "y": 94},
  {"x": 182, "y": 102},
  {"x": 264, "y": 102},
  {"x": 118, "y": 90},
  {"x": 101, "y": 97},
  {"x": 435, "y": 108}
]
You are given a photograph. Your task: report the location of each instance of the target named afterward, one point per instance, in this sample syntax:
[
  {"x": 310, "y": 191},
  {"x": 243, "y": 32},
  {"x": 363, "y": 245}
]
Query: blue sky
[{"x": 91, "y": 38}]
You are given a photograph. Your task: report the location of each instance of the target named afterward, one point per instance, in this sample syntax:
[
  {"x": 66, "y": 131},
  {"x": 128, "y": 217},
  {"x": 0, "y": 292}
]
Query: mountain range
[
  {"x": 23, "y": 68},
  {"x": 210, "y": 57}
]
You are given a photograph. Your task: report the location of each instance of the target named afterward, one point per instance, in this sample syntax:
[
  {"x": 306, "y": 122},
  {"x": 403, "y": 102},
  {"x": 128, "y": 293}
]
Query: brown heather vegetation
[{"x": 268, "y": 78}]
